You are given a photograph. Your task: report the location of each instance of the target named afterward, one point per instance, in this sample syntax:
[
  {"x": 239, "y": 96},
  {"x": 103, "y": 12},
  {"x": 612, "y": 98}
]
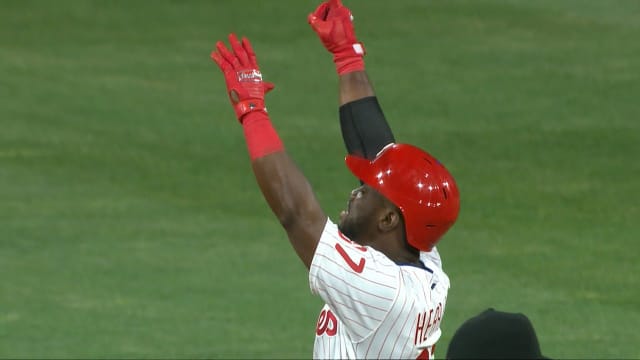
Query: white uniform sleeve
[{"x": 359, "y": 283}]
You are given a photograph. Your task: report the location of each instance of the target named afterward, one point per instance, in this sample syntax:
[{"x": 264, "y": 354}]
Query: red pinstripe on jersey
[{"x": 381, "y": 309}]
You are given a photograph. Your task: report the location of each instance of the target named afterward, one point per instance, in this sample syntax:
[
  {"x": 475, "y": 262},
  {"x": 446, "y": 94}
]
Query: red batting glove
[
  {"x": 242, "y": 75},
  {"x": 334, "y": 25}
]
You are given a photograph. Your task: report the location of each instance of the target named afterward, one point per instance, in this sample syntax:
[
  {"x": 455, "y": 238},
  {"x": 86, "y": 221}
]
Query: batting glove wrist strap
[
  {"x": 244, "y": 107},
  {"x": 351, "y": 60}
]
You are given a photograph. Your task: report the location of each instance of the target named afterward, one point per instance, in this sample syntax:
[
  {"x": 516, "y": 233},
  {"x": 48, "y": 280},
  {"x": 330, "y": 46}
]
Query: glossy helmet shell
[{"x": 418, "y": 184}]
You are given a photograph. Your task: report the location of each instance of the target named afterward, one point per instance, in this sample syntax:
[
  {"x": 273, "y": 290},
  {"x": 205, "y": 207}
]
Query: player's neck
[
  {"x": 406, "y": 258},
  {"x": 397, "y": 251}
]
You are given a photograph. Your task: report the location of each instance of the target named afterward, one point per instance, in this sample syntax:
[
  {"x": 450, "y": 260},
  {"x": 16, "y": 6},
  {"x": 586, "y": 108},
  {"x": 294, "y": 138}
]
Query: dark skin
[{"x": 371, "y": 220}]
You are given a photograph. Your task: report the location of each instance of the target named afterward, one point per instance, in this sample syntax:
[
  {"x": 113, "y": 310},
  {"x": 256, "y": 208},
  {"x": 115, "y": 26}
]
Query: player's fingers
[
  {"x": 312, "y": 20},
  {"x": 321, "y": 10},
  {"x": 222, "y": 63},
  {"x": 227, "y": 55},
  {"x": 322, "y": 28},
  {"x": 215, "y": 57},
  {"x": 267, "y": 86},
  {"x": 336, "y": 10},
  {"x": 238, "y": 49},
  {"x": 251, "y": 55},
  {"x": 335, "y": 3}
]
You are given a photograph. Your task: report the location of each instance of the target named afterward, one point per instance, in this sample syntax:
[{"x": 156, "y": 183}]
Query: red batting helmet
[{"x": 418, "y": 184}]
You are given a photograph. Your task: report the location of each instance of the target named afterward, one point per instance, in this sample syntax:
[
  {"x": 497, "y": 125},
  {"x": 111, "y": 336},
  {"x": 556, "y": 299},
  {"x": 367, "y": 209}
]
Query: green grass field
[{"x": 131, "y": 225}]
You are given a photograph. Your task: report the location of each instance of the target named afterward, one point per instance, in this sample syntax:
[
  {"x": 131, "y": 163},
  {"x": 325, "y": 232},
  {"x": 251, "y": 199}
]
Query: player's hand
[
  {"x": 241, "y": 72},
  {"x": 333, "y": 23}
]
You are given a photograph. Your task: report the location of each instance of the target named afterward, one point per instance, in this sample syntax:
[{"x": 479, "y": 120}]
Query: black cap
[{"x": 495, "y": 335}]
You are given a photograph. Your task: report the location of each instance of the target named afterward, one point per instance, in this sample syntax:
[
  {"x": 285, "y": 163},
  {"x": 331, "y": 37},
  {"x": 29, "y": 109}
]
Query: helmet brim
[{"x": 361, "y": 168}]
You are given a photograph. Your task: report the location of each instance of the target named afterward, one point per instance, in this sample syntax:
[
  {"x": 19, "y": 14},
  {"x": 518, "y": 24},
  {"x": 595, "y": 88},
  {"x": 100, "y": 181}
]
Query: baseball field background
[{"x": 131, "y": 225}]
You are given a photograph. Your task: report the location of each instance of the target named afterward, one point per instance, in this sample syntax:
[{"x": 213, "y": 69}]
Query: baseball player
[{"x": 378, "y": 269}]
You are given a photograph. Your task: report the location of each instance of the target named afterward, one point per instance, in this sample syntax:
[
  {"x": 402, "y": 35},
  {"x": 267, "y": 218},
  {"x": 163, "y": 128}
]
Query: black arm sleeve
[{"x": 365, "y": 130}]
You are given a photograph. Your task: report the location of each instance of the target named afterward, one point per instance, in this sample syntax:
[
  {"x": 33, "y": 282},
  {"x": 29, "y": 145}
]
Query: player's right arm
[
  {"x": 283, "y": 185},
  {"x": 365, "y": 130}
]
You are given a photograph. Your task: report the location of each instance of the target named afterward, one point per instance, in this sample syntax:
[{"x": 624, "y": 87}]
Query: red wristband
[{"x": 262, "y": 139}]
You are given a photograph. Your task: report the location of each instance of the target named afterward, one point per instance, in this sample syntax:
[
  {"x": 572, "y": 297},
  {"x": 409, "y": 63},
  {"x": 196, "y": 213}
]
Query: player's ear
[{"x": 390, "y": 219}]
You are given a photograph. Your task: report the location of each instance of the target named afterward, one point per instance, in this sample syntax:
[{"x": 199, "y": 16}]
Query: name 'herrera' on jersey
[{"x": 428, "y": 326}]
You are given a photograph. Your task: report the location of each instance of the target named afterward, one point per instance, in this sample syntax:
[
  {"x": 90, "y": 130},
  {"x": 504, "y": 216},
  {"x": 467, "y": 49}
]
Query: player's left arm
[
  {"x": 284, "y": 186},
  {"x": 365, "y": 130}
]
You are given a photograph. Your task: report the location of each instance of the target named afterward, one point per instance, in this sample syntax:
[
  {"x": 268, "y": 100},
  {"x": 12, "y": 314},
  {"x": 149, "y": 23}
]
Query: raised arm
[
  {"x": 365, "y": 130},
  {"x": 283, "y": 185}
]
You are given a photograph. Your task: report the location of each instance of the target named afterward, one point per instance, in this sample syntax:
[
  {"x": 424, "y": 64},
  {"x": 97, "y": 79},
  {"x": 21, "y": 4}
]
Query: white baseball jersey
[{"x": 375, "y": 308}]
